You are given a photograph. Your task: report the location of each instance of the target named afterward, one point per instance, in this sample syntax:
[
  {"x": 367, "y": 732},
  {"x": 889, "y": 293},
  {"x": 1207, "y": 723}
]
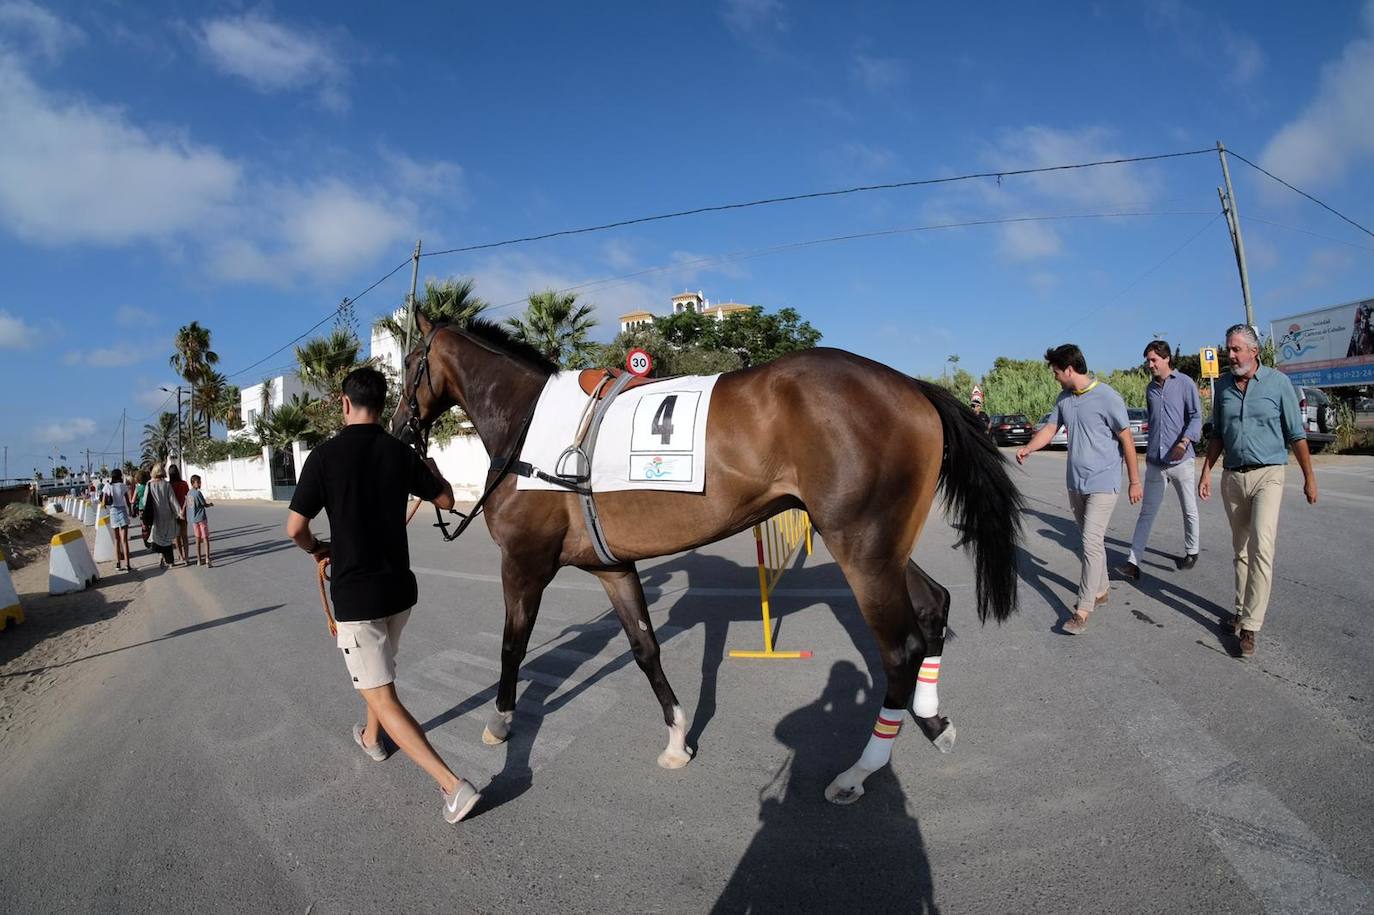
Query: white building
[
  {"x": 682, "y": 303},
  {"x": 284, "y": 387}
]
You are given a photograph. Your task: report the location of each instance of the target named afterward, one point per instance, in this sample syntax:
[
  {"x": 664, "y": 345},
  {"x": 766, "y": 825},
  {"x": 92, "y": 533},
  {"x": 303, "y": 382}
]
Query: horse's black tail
[{"x": 983, "y": 503}]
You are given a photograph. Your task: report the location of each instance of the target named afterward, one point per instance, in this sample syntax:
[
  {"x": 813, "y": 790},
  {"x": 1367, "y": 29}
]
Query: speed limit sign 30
[{"x": 638, "y": 362}]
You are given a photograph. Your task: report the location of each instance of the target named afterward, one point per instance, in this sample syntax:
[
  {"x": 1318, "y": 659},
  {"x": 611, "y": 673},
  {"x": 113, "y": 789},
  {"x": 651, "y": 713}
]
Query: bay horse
[{"x": 861, "y": 447}]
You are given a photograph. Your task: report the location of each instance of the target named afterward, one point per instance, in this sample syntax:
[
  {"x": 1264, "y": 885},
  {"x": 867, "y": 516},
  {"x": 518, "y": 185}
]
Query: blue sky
[{"x": 248, "y": 166}]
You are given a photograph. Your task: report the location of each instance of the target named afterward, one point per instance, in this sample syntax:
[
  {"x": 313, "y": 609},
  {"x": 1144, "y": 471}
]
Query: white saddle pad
[{"x": 653, "y": 436}]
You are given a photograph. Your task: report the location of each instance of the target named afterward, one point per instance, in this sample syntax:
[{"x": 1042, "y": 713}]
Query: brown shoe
[
  {"x": 1076, "y": 624},
  {"x": 1129, "y": 571},
  {"x": 1102, "y": 598},
  {"x": 1247, "y": 643},
  {"x": 1232, "y": 622}
]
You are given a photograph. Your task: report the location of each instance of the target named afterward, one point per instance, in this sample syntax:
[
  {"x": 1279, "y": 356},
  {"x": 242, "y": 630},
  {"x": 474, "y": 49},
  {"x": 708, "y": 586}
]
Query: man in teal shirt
[{"x": 1255, "y": 417}]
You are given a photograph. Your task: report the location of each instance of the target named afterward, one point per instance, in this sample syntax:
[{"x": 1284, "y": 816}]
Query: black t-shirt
[{"x": 361, "y": 478}]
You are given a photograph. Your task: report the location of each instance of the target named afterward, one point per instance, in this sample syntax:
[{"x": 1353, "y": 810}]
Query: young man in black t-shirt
[{"x": 362, "y": 478}]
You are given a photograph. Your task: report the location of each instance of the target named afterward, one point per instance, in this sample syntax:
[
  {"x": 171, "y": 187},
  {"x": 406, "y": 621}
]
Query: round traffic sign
[{"x": 638, "y": 362}]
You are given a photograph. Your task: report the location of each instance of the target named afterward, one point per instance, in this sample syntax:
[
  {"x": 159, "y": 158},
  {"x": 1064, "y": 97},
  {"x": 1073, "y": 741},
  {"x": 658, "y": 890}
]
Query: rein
[
  {"x": 421, "y": 434},
  {"x": 322, "y": 572}
]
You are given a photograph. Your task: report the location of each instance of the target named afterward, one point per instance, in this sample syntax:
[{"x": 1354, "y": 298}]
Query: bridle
[{"x": 420, "y": 434}]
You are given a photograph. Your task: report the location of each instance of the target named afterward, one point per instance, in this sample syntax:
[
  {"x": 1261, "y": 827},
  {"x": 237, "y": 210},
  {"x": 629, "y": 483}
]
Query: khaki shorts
[{"x": 369, "y": 649}]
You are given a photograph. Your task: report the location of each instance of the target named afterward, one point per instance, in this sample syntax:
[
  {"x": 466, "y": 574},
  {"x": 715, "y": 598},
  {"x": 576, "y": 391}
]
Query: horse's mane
[{"x": 494, "y": 334}]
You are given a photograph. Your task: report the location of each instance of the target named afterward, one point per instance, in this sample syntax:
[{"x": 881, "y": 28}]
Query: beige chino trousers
[
  {"x": 1092, "y": 511},
  {"x": 1252, "y": 502}
]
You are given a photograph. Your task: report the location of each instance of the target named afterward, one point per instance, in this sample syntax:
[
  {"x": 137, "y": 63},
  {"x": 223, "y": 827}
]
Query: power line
[
  {"x": 768, "y": 201},
  {"x": 1133, "y": 283},
  {"x": 312, "y": 327},
  {"x": 1279, "y": 225},
  {"x": 792, "y": 246},
  {"x": 1297, "y": 190}
]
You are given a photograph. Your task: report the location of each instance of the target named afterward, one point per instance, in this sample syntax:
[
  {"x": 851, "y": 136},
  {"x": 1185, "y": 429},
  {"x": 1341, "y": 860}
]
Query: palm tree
[
  {"x": 193, "y": 359},
  {"x": 287, "y": 423},
  {"x": 159, "y": 439},
  {"x": 207, "y": 395},
  {"x": 557, "y": 326},
  {"x": 322, "y": 363},
  {"x": 450, "y": 300}
]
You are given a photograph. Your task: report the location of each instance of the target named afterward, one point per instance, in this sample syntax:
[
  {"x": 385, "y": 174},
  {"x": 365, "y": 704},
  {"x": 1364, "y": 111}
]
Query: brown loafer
[
  {"x": 1247, "y": 643},
  {"x": 1129, "y": 571},
  {"x": 1102, "y": 598},
  {"x": 1076, "y": 624}
]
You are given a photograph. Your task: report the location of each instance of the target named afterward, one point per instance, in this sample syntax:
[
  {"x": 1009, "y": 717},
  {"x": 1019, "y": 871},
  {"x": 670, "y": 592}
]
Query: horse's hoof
[
  {"x": 497, "y": 730},
  {"x": 836, "y": 793},
  {"x": 674, "y": 759},
  {"x": 945, "y": 741}
]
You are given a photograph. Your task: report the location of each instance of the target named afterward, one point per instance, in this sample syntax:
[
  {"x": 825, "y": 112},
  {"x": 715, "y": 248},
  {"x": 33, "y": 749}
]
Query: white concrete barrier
[
  {"x": 101, "y": 510},
  {"x": 88, "y": 514},
  {"x": 10, "y": 609},
  {"x": 51, "y": 508},
  {"x": 104, "y": 540},
  {"x": 70, "y": 567}
]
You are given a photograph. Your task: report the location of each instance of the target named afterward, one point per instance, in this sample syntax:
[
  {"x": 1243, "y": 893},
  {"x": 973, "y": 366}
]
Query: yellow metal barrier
[{"x": 777, "y": 541}]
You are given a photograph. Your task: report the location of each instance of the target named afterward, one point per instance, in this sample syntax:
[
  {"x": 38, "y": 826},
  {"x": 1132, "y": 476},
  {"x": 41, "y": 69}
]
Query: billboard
[{"x": 1327, "y": 348}]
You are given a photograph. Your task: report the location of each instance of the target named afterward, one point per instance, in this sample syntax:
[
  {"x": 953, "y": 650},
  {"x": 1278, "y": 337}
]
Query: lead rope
[{"x": 321, "y": 569}]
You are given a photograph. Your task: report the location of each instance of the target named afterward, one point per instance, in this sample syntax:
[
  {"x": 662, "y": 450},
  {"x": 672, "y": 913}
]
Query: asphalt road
[{"x": 202, "y": 760}]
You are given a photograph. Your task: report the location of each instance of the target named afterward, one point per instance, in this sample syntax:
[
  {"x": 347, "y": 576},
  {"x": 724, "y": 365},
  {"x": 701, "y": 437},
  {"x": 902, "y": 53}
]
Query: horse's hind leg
[
  {"x": 886, "y": 606},
  {"x": 930, "y": 601},
  {"x": 627, "y": 596}
]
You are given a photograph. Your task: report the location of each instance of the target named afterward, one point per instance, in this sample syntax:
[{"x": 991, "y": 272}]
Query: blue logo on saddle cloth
[{"x": 652, "y": 437}]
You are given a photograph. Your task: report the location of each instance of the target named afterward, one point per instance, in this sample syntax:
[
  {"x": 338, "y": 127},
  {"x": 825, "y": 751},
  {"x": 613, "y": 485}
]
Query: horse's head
[{"x": 423, "y": 384}]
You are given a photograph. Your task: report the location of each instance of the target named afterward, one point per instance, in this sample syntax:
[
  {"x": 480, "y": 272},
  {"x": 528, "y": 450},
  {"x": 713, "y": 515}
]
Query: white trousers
[{"x": 1182, "y": 477}]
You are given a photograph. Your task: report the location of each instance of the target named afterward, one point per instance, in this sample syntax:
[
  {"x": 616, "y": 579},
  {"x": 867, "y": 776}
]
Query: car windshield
[
  {"x": 1014, "y": 418},
  {"x": 1136, "y": 414}
]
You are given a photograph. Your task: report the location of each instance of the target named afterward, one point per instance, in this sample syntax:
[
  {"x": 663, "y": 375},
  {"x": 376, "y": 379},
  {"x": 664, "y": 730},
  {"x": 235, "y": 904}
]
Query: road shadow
[
  {"x": 811, "y": 855},
  {"x": 232, "y": 555},
  {"x": 175, "y": 633}
]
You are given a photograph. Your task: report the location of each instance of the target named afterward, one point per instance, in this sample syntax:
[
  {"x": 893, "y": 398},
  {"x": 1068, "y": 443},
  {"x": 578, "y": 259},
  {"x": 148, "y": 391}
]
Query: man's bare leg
[{"x": 384, "y": 710}]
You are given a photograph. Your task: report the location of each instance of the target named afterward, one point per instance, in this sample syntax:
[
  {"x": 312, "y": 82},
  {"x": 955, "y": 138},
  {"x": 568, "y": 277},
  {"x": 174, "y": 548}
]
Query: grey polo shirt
[
  {"x": 1175, "y": 410},
  {"x": 1093, "y": 419},
  {"x": 1257, "y": 426}
]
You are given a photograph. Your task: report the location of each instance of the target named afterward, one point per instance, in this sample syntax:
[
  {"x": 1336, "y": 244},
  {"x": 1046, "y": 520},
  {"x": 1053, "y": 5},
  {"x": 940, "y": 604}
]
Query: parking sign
[{"x": 1210, "y": 366}]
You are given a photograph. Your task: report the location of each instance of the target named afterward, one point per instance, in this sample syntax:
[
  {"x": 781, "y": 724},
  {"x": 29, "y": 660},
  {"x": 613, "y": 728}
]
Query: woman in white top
[
  {"x": 166, "y": 513},
  {"x": 115, "y": 495}
]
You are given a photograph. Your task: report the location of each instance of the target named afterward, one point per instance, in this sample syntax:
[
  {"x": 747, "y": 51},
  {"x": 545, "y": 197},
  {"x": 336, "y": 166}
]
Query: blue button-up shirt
[
  {"x": 1175, "y": 412},
  {"x": 1257, "y": 426}
]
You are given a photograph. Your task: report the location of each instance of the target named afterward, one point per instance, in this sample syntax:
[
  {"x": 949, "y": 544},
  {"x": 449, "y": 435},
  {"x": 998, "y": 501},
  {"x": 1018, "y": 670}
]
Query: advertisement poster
[{"x": 1327, "y": 348}]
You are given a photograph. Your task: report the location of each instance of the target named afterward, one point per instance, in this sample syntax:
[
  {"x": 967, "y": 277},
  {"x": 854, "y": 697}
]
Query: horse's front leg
[
  {"x": 523, "y": 584},
  {"x": 627, "y": 597}
]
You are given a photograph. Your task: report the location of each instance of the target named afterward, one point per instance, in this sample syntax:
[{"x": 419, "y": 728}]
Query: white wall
[
  {"x": 235, "y": 478},
  {"x": 250, "y": 399}
]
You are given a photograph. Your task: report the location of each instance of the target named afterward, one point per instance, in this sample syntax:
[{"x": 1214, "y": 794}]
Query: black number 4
[{"x": 663, "y": 420}]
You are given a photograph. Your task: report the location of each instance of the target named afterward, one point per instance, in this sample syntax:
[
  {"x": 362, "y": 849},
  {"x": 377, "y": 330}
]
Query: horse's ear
[{"x": 422, "y": 322}]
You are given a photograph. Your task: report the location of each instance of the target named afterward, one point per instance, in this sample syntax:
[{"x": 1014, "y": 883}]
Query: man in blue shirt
[
  {"x": 1175, "y": 416},
  {"x": 1255, "y": 417},
  {"x": 1099, "y": 432}
]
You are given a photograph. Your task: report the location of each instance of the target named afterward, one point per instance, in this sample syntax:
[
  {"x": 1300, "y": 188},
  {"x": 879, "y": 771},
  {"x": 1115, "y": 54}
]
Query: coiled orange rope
[{"x": 322, "y": 569}]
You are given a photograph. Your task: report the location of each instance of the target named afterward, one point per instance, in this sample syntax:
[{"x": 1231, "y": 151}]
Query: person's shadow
[{"x": 811, "y": 855}]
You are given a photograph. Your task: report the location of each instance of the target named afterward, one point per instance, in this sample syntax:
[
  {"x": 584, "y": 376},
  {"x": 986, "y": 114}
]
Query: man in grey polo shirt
[
  {"x": 1254, "y": 417},
  {"x": 1175, "y": 415},
  {"x": 1099, "y": 433}
]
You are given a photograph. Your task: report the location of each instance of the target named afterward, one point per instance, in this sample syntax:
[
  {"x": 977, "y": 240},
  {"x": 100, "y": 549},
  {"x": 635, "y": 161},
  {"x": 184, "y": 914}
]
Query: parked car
[
  {"x": 1061, "y": 438},
  {"x": 1319, "y": 416},
  {"x": 1140, "y": 426},
  {"x": 1011, "y": 429}
]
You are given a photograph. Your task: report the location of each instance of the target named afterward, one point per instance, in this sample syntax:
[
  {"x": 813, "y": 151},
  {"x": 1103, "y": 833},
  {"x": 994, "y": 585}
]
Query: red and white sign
[{"x": 638, "y": 362}]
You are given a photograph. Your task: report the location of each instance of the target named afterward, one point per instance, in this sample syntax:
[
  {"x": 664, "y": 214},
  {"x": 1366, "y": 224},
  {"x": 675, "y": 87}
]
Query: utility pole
[
  {"x": 180, "y": 459},
  {"x": 123, "y": 436},
  {"x": 1228, "y": 206},
  {"x": 410, "y": 301},
  {"x": 7, "y": 463}
]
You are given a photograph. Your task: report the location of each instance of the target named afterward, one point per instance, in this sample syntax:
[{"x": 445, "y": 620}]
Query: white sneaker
[
  {"x": 378, "y": 752},
  {"x": 460, "y": 803}
]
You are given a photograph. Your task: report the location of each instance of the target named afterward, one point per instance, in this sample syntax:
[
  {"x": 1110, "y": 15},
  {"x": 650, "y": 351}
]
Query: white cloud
[
  {"x": 433, "y": 178},
  {"x": 117, "y": 356},
  {"x": 1043, "y": 282},
  {"x": 15, "y": 333},
  {"x": 272, "y": 57},
  {"x": 150, "y": 396},
  {"x": 1335, "y": 130},
  {"x": 45, "y": 33},
  {"x": 868, "y": 158},
  {"x": 72, "y": 172},
  {"x": 1100, "y": 187},
  {"x": 878, "y": 74},
  {"x": 132, "y": 316},
  {"x": 1023, "y": 241},
  {"x": 746, "y": 18},
  {"x": 67, "y": 430},
  {"x": 1244, "y": 54}
]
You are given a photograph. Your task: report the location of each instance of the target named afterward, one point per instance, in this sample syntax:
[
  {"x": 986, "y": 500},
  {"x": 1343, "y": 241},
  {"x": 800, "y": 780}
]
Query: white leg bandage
[
  {"x": 927, "y": 704},
  {"x": 848, "y": 786}
]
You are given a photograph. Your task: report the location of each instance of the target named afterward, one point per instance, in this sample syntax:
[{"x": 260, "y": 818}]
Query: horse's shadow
[{"x": 817, "y": 856}]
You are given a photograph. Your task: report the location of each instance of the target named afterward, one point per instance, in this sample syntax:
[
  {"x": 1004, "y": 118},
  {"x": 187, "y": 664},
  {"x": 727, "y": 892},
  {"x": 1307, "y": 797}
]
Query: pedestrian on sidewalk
[
  {"x": 200, "y": 520},
  {"x": 180, "y": 489},
  {"x": 116, "y": 497},
  {"x": 162, "y": 521},
  {"x": 1175, "y": 417},
  {"x": 361, "y": 479},
  {"x": 1099, "y": 432},
  {"x": 1255, "y": 418}
]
